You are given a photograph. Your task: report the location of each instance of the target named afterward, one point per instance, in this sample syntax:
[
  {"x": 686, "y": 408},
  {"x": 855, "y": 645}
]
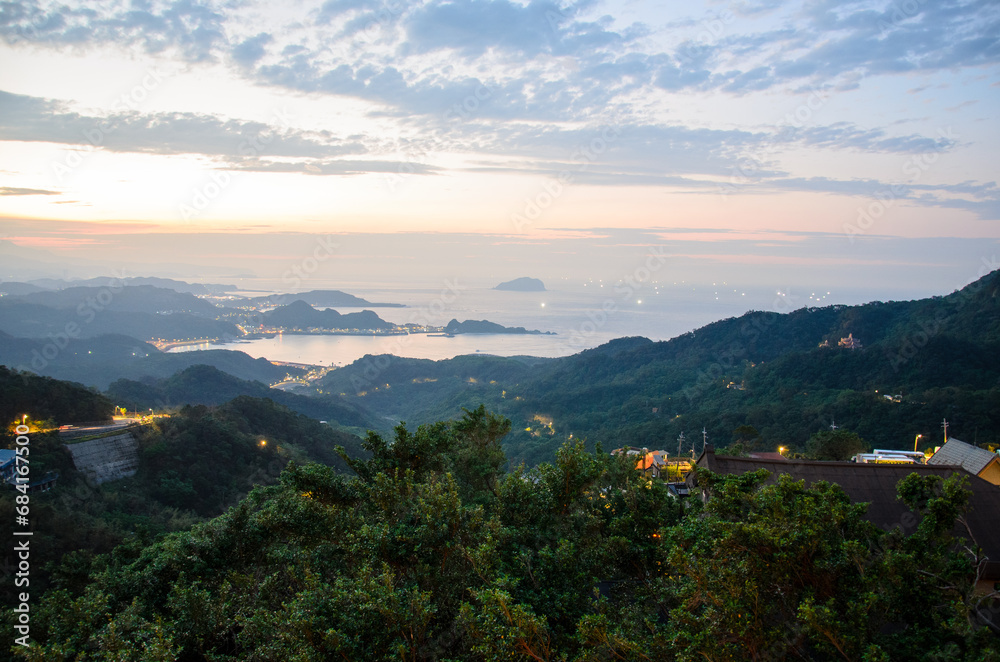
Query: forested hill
[
  {"x": 207, "y": 385},
  {"x": 765, "y": 369},
  {"x": 116, "y": 297},
  {"x": 299, "y": 314},
  {"x": 44, "y": 398},
  {"x": 101, "y": 360},
  {"x": 192, "y": 465}
]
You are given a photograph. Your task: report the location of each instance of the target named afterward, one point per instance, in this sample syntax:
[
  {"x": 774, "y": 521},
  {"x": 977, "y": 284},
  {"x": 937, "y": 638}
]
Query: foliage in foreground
[{"x": 432, "y": 552}]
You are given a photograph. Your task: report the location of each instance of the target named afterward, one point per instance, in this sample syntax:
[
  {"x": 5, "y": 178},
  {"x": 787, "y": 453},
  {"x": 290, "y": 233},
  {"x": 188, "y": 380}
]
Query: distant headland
[
  {"x": 483, "y": 326},
  {"x": 323, "y": 299}
]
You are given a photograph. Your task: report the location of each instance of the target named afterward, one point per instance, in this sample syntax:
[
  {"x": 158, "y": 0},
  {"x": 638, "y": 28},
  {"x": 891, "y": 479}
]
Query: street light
[
  {"x": 915, "y": 442},
  {"x": 781, "y": 450}
]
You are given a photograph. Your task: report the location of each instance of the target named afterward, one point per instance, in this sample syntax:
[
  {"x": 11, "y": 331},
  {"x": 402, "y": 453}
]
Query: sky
[{"x": 819, "y": 141}]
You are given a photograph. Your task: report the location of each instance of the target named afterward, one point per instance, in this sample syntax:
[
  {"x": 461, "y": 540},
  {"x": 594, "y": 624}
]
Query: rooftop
[
  {"x": 768, "y": 456},
  {"x": 958, "y": 453}
]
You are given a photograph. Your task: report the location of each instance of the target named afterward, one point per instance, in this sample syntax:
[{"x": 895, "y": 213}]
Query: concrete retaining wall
[{"x": 108, "y": 458}]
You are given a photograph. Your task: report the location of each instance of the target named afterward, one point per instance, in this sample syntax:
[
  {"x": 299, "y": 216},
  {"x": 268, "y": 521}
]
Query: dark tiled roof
[
  {"x": 768, "y": 456},
  {"x": 958, "y": 453},
  {"x": 875, "y": 484}
]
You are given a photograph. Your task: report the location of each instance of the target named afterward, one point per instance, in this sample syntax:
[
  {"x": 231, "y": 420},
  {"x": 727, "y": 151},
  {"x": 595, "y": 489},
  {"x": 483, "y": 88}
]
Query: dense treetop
[{"x": 431, "y": 551}]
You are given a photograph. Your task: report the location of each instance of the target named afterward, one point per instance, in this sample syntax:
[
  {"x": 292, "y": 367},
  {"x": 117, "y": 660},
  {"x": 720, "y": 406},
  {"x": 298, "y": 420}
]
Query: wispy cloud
[
  {"x": 194, "y": 29},
  {"x": 12, "y": 190},
  {"x": 34, "y": 119}
]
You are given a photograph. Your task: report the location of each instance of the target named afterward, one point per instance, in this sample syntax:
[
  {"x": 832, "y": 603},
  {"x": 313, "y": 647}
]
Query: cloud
[
  {"x": 532, "y": 84},
  {"x": 377, "y": 50},
  {"x": 333, "y": 9},
  {"x": 249, "y": 51},
  {"x": 843, "y": 135},
  {"x": 650, "y": 154},
  {"x": 341, "y": 167},
  {"x": 673, "y": 78},
  {"x": 34, "y": 119},
  {"x": 829, "y": 40},
  {"x": 195, "y": 29},
  {"x": 472, "y": 27},
  {"x": 670, "y": 156},
  {"x": 11, "y": 190},
  {"x": 820, "y": 45},
  {"x": 755, "y": 8},
  {"x": 982, "y": 199}
]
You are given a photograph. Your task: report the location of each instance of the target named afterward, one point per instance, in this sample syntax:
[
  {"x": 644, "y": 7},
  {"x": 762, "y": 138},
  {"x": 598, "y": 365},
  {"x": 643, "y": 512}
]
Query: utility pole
[
  {"x": 680, "y": 443},
  {"x": 944, "y": 424},
  {"x": 704, "y": 439}
]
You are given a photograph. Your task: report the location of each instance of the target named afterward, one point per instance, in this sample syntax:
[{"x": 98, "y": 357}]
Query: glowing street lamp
[
  {"x": 915, "y": 439},
  {"x": 781, "y": 450}
]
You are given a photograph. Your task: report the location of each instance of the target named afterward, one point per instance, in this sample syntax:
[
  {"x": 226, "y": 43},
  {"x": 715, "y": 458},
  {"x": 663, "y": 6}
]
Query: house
[
  {"x": 850, "y": 342},
  {"x": 875, "y": 484},
  {"x": 679, "y": 490},
  {"x": 8, "y": 474},
  {"x": 45, "y": 483},
  {"x": 977, "y": 461},
  {"x": 7, "y": 465},
  {"x": 653, "y": 464}
]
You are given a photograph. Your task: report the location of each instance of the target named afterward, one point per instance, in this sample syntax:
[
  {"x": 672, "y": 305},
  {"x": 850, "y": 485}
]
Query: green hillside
[
  {"x": 193, "y": 465},
  {"x": 765, "y": 369},
  {"x": 44, "y": 398},
  {"x": 207, "y": 385},
  {"x": 99, "y": 361}
]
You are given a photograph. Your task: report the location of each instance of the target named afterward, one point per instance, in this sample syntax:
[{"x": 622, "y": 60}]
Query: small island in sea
[
  {"x": 455, "y": 328},
  {"x": 522, "y": 285}
]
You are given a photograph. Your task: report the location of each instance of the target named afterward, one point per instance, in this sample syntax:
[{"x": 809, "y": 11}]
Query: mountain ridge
[{"x": 765, "y": 369}]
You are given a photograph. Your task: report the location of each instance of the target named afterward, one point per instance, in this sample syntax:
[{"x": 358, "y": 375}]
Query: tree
[
  {"x": 834, "y": 445},
  {"x": 431, "y": 553},
  {"x": 774, "y": 571},
  {"x": 745, "y": 434}
]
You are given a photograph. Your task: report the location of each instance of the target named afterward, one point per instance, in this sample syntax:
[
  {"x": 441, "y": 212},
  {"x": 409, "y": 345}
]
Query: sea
[{"x": 578, "y": 315}]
